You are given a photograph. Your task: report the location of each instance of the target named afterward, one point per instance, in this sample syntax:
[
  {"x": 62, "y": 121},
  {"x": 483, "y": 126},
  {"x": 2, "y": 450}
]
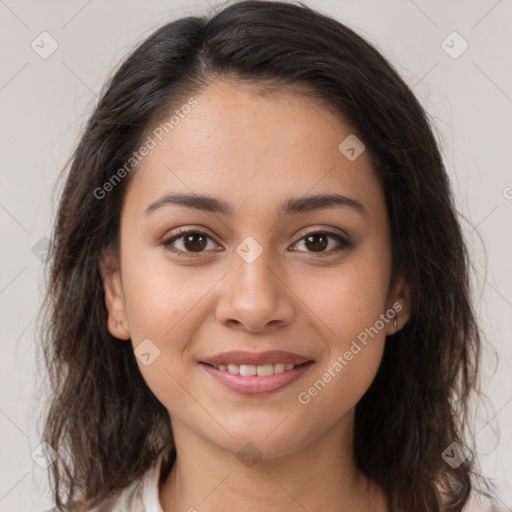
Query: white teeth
[
  {"x": 234, "y": 369},
  {"x": 279, "y": 367},
  {"x": 266, "y": 369},
  {"x": 248, "y": 370}
]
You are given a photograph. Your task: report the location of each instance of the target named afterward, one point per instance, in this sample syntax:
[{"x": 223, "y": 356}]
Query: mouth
[{"x": 252, "y": 373}]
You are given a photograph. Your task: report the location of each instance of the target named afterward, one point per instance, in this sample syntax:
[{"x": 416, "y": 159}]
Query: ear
[
  {"x": 114, "y": 297},
  {"x": 399, "y": 301}
]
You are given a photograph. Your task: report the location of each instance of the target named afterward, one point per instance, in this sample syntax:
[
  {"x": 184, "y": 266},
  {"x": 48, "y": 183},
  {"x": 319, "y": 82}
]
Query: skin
[{"x": 256, "y": 152}]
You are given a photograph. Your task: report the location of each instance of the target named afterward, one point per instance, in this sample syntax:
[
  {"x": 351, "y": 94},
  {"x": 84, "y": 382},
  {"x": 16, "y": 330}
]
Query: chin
[{"x": 269, "y": 442}]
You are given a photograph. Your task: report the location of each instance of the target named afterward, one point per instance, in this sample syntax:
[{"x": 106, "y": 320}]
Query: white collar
[{"x": 150, "y": 486}]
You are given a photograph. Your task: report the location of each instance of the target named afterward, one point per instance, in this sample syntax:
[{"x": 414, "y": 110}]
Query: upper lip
[{"x": 255, "y": 358}]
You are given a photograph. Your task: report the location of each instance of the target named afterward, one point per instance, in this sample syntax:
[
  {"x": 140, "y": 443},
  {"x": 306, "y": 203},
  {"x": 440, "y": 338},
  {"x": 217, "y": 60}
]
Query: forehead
[{"x": 251, "y": 149}]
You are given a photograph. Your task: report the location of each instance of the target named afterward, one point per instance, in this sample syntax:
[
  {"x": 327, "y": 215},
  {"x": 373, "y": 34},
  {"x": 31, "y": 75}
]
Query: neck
[{"x": 317, "y": 477}]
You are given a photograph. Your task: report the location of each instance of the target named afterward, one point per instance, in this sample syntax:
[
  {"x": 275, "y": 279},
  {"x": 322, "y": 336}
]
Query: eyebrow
[{"x": 291, "y": 206}]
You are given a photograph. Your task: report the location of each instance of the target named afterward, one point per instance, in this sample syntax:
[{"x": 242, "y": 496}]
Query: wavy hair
[{"x": 101, "y": 416}]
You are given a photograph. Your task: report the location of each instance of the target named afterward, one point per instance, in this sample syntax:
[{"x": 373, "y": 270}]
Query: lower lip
[{"x": 254, "y": 385}]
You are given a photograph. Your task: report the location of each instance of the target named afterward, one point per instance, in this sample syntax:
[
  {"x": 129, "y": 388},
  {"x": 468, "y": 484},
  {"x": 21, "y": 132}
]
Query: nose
[{"x": 254, "y": 296}]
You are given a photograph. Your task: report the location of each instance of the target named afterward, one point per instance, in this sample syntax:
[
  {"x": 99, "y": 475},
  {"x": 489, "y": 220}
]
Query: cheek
[
  {"x": 158, "y": 293},
  {"x": 351, "y": 304},
  {"x": 350, "y": 298},
  {"x": 353, "y": 309},
  {"x": 160, "y": 302},
  {"x": 166, "y": 304}
]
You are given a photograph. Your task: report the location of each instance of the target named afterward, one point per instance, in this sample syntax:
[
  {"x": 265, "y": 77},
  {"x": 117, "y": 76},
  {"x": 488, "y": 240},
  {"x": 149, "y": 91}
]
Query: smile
[{"x": 256, "y": 380}]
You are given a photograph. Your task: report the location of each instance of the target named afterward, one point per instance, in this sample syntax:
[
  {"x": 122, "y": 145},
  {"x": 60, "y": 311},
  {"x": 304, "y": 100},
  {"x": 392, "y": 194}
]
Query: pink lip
[
  {"x": 255, "y": 358},
  {"x": 256, "y": 385}
]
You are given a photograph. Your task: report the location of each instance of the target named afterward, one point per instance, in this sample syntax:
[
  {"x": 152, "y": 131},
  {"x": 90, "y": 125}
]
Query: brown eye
[
  {"x": 188, "y": 242},
  {"x": 318, "y": 241},
  {"x": 194, "y": 242}
]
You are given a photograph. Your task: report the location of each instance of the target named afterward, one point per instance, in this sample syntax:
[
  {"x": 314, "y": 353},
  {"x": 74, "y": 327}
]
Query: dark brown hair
[{"x": 105, "y": 422}]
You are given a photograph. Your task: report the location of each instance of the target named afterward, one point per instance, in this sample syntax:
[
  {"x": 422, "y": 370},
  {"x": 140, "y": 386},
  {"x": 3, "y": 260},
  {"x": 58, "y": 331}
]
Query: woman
[{"x": 259, "y": 291}]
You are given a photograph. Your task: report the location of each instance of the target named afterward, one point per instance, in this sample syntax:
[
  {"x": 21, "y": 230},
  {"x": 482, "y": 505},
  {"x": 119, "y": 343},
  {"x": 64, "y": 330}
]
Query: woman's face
[{"x": 254, "y": 277}]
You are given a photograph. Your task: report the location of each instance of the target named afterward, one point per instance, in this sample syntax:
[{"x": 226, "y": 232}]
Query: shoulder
[{"x": 142, "y": 494}]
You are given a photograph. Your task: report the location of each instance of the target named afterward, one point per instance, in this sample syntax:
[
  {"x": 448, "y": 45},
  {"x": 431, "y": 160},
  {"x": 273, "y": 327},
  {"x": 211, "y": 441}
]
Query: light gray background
[{"x": 45, "y": 102}]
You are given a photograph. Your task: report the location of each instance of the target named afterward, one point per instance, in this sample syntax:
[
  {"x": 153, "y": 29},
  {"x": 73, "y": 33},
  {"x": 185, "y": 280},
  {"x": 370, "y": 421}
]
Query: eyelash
[{"x": 343, "y": 242}]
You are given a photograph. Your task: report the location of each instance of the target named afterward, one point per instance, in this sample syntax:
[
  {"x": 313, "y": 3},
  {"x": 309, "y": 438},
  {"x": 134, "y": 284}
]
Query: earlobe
[
  {"x": 117, "y": 329},
  {"x": 399, "y": 306},
  {"x": 114, "y": 299}
]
